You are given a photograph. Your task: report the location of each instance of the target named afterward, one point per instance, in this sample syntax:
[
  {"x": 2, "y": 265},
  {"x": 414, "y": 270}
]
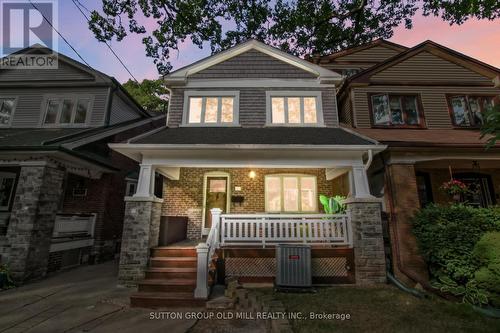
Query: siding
[
  {"x": 374, "y": 54},
  {"x": 64, "y": 72},
  {"x": 121, "y": 111},
  {"x": 427, "y": 67},
  {"x": 252, "y": 108},
  {"x": 252, "y": 64},
  {"x": 29, "y": 107},
  {"x": 433, "y": 101},
  {"x": 345, "y": 111}
]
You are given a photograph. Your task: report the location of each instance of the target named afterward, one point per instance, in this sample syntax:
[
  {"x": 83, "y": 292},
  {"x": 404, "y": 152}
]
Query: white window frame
[
  {"x": 129, "y": 184},
  {"x": 13, "y": 111},
  {"x": 299, "y": 177},
  {"x": 204, "y": 94},
  {"x": 75, "y": 98},
  {"x": 9, "y": 175},
  {"x": 299, "y": 94}
]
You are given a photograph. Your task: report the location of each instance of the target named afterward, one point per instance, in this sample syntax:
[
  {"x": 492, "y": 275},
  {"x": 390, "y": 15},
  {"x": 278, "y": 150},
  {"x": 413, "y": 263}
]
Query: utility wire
[{"x": 77, "y": 5}]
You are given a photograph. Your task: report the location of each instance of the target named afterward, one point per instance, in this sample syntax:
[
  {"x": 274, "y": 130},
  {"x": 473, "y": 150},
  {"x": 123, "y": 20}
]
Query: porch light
[{"x": 252, "y": 174}]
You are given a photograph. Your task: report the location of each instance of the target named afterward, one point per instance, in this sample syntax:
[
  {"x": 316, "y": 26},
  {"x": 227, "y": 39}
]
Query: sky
[{"x": 478, "y": 39}]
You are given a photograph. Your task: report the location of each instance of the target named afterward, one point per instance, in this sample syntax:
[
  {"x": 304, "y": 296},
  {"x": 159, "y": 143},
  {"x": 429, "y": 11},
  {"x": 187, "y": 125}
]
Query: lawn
[{"x": 382, "y": 309}]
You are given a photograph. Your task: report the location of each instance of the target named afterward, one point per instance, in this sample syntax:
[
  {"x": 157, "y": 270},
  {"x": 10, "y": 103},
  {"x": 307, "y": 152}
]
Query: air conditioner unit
[{"x": 293, "y": 266}]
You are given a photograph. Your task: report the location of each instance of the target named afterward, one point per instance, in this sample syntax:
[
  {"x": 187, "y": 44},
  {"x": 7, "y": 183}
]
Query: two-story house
[
  {"x": 252, "y": 140},
  {"x": 61, "y": 187},
  {"x": 426, "y": 104}
]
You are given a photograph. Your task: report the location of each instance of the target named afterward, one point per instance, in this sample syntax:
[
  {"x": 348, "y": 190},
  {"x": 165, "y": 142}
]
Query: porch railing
[
  {"x": 74, "y": 225},
  {"x": 269, "y": 229}
]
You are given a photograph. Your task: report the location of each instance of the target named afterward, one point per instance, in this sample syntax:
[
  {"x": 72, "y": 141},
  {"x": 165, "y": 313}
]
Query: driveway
[{"x": 84, "y": 299}]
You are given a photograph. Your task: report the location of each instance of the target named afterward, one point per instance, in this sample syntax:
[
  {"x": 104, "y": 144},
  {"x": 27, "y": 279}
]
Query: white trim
[
  {"x": 300, "y": 94},
  {"x": 75, "y": 97},
  {"x": 205, "y": 231},
  {"x": 299, "y": 177},
  {"x": 16, "y": 99},
  {"x": 165, "y": 146},
  {"x": 213, "y": 93},
  {"x": 181, "y": 74},
  {"x": 74, "y": 244},
  {"x": 258, "y": 83}
]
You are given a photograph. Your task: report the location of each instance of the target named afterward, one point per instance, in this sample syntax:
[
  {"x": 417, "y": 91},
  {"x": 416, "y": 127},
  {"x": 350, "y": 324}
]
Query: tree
[
  {"x": 150, "y": 94},
  {"x": 301, "y": 27},
  {"x": 491, "y": 126}
]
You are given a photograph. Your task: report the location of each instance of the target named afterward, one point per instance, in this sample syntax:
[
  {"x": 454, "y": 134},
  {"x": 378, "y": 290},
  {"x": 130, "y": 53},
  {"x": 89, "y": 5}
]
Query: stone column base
[{"x": 141, "y": 226}]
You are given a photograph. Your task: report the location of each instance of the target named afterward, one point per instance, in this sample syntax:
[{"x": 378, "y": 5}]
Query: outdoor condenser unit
[{"x": 293, "y": 266}]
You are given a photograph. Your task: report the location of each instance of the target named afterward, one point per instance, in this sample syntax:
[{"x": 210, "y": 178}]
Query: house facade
[
  {"x": 252, "y": 139},
  {"x": 426, "y": 104},
  {"x": 61, "y": 187}
]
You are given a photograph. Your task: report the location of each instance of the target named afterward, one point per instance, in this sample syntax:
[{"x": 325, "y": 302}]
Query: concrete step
[
  {"x": 173, "y": 262},
  {"x": 173, "y": 251},
  {"x": 170, "y": 273},
  {"x": 165, "y": 300},
  {"x": 167, "y": 285}
]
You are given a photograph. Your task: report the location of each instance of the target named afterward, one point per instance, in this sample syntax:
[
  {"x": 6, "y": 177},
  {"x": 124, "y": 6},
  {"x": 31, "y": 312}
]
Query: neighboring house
[
  {"x": 252, "y": 133},
  {"x": 61, "y": 187},
  {"x": 426, "y": 104}
]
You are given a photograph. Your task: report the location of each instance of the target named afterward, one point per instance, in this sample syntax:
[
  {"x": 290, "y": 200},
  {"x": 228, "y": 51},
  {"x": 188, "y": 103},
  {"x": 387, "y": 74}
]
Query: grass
[{"x": 382, "y": 309}]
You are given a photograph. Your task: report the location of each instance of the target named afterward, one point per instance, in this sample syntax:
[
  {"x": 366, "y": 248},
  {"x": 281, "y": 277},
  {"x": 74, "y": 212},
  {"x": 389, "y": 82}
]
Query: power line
[{"x": 77, "y": 5}]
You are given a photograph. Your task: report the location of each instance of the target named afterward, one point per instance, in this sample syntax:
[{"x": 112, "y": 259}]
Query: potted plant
[
  {"x": 455, "y": 189},
  {"x": 5, "y": 280},
  {"x": 332, "y": 205}
]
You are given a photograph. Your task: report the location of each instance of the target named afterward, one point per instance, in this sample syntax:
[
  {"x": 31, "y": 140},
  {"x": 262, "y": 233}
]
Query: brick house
[
  {"x": 61, "y": 187},
  {"x": 425, "y": 104},
  {"x": 252, "y": 139}
]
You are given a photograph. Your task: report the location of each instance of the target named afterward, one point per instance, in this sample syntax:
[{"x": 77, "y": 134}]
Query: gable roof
[
  {"x": 181, "y": 74},
  {"x": 378, "y": 42},
  {"x": 435, "y": 49}
]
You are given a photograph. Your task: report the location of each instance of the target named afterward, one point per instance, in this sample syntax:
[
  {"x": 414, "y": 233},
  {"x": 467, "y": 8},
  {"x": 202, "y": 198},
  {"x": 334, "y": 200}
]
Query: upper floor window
[
  {"x": 68, "y": 110},
  {"x": 211, "y": 108},
  {"x": 7, "y": 106},
  {"x": 467, "y": 111},
  {"x": 294, "y": 108},
  {"x": 7, "y": 184},
  {"x": 290, "y": 193},
  {"x": 394, "y": 110}
]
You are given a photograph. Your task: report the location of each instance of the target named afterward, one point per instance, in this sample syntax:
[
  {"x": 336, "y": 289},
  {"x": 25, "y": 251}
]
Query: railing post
[
  {"x": 201, "y": 290},
  {"x": 216, "y": 222}
]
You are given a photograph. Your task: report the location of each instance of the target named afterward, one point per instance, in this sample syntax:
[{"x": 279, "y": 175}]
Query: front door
[{"x": 216, "y": 196}]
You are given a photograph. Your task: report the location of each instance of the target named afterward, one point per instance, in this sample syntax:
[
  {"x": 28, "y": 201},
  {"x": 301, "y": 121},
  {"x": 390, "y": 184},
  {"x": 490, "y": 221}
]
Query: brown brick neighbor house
[
  {"x": 61, "y": 187},
  {"x": 426, "y": 104}
]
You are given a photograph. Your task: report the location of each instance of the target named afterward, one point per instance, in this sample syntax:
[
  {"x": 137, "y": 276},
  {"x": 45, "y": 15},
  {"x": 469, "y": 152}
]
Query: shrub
[
  {"x": 487, "y": 254},
  {"x": 446, "y": 236}
]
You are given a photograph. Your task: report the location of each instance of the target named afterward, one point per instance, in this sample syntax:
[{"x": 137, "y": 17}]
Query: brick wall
[{"x": 184, "y": 197}]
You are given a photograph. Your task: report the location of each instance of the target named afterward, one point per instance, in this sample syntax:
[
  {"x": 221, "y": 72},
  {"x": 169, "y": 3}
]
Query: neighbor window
[
  {"x": 6, "y": 110},
  {"x": 468, "y": 111},
  {"x": 7, "y": 183},
  {"x": 69, "y": 110},
  {"x": 393, "y": 110},
  {"x": 294, "y": 108},
  {"x": 290, "y": 193},
  {"x": 212, "y": 109}
]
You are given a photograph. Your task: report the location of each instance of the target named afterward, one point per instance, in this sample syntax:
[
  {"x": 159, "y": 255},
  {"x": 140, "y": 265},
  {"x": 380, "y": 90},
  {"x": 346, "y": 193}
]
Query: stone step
[
  {"x": 170, "y": 273},
  {"x": 165, "y": 300},
  {"x": 173, "y": 251},
  {"x": 173, "y": 262},
  {"x": 167, "y": 285}
]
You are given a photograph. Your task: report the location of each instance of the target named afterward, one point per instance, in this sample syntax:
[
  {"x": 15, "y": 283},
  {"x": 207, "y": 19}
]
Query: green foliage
[
  {"x": 333, "y": 205},
  {"x": 5, "y": 280},
  {"x": 150, "y": 94},
  {"x": 301, "y": 27},
  {"x": 487, "y": 254},
  {"x": 470, "y": 292},
  {"x": 447, "y": 234},
  {"x": 491, "y": 126}
]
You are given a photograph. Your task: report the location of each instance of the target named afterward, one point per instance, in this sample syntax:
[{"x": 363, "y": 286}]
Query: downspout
[
  {"x": 370, "y": 159},
  {"x": 171, "y": 94}
]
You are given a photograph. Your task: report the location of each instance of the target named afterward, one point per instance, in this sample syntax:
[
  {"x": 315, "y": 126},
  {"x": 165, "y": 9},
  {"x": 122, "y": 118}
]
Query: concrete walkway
[{"x": 84, "y": 299}]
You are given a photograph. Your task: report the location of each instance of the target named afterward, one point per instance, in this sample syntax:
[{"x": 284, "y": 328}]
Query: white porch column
[
  {"x": 201, "y": 290},
  {"x": 145, "y": 186},
  {"x": 360, "y": 179}
]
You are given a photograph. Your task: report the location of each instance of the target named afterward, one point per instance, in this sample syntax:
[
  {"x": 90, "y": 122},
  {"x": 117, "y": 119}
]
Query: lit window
[
  {"x": 468, "y": 111},
  {"x": 67, "y": 111},
  {"x": 290, "y": 193},
  {"x": 211, "y": 110},
  {"x": 6, "y": 110},
  {"x": 293, "y": 110},
  {"x": 396, "y": 110}
]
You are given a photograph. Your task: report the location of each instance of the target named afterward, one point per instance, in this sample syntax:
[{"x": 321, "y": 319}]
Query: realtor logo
[{"x": 27, "y": 23}]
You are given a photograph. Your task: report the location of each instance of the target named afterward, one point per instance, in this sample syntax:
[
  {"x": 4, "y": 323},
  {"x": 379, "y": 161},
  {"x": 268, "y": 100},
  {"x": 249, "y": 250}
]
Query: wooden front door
[{"x": 216, "y": 196}]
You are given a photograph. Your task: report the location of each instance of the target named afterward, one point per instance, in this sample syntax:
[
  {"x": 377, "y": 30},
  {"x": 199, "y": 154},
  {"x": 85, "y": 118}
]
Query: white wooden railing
[
  {"x": 67, "y": 225},
  {"x": 269, "y": 229}
]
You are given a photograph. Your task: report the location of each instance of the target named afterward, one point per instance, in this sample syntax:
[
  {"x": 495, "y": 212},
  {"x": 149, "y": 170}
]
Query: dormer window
[
  {"x": 294, "y": 108},
  {"x": 7, "y": 106},
  {"x": 396, "y": 110},
  {"x": 67, "y": 111},
  {"x": 468, "y": 111},
  {"x": 206, "y": 108}
]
